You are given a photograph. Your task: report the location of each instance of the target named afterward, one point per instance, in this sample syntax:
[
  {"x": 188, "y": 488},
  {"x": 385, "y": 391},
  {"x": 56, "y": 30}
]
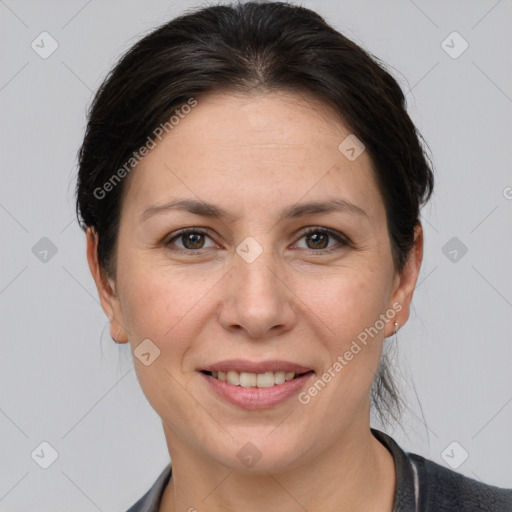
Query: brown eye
[
  {"x": 188, "y": 241},
  {"x": 193, "y": 240},
  {"x": 317, "y": 239}
]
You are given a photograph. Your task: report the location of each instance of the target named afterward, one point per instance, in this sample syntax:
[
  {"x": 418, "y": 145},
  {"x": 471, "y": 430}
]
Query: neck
[{"x": 356, "y": 473}]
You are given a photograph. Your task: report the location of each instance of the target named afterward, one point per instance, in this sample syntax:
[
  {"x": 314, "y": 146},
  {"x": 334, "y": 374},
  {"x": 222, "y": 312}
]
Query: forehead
[{"x": 259, "y": 149}]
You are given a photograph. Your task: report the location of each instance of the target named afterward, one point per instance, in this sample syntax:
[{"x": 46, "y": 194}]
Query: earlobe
[
  {"x": 106, "y": 289},
  {"x": 408, "y": 278}
]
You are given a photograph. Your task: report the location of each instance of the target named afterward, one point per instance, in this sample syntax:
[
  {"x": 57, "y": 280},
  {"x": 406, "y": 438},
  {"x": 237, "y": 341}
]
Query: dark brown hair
[{"x": 249, "y": 48}]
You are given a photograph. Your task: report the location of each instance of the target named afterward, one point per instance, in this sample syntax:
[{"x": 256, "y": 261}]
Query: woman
[{"x": 250, "y": 185}]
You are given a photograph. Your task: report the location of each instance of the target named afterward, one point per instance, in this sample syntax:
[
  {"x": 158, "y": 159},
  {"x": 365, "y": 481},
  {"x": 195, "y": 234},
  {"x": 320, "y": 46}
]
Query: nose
[{"x": 257, "y": 299}]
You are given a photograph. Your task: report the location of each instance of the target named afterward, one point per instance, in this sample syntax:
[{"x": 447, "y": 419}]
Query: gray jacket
[{"x": 421, "y": 486}]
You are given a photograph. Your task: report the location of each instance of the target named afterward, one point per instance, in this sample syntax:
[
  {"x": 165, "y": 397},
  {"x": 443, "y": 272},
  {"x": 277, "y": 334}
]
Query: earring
[{"x": 396, "y": 328}]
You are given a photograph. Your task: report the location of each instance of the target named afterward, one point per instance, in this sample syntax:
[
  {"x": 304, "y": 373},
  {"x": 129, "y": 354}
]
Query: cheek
[
  {"x": 349, "y": 300},
  {"x": 158, "y": 304},
  {"x": 164, "y": 309},
  {"x": 351, "y": 306}
]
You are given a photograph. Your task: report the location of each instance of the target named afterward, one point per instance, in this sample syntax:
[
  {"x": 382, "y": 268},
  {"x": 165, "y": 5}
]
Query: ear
[
  {"x": 106, "y": 289},
  {"x": 405, "y": 282}
]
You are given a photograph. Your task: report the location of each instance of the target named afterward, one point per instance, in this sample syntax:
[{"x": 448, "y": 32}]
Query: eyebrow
[{"x": 210, "y": 210}]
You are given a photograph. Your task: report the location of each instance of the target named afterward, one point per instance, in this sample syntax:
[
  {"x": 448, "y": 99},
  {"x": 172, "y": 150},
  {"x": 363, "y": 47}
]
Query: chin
[{"x": 259, "y": 450}]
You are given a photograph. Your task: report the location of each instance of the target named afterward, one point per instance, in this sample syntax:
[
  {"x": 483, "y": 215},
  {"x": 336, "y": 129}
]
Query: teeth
[
  {"x": 265, "y": 380},
  {"x": 280, "y": 377},
  {"x": 248, "y": 380},
  {"x": 233, "y": 378},
  {"x": 252, "y": 380}
]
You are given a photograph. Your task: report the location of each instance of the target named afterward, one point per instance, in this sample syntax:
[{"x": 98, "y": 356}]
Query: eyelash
[{"x": 341, "y": 239}]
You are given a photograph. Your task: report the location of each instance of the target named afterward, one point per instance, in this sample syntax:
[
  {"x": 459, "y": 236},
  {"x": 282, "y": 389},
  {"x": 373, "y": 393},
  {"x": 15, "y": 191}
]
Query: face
[{"x": 257, "y": 277}]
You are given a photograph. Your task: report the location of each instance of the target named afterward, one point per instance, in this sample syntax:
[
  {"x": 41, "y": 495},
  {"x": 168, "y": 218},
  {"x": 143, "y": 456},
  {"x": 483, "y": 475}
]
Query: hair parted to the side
[{"x": 251, "y": 48}]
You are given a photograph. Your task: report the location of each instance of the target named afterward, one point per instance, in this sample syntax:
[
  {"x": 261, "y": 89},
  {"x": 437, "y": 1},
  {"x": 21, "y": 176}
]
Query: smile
[{"x": 254, "y": 380}]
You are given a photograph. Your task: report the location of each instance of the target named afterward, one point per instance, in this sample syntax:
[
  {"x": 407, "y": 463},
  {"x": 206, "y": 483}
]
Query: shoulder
[
  {"x": 442, "y": 489},
  {"x": 425, "y": 486},
  {"x": 150, "y": 502}
]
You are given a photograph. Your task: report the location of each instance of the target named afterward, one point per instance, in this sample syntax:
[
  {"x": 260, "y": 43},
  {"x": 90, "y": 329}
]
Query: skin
[{"x": 254, "y": 156}]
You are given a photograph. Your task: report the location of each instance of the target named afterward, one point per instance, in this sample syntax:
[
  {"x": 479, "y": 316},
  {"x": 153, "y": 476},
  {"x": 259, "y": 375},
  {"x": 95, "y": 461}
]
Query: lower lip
[{"x": 257, "y": 398}]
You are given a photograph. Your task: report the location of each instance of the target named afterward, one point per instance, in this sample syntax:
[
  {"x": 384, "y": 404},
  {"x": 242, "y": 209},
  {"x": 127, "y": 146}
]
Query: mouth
[
  {"x": 255, "y": 380},
  {"x": 256, "y": 385}
]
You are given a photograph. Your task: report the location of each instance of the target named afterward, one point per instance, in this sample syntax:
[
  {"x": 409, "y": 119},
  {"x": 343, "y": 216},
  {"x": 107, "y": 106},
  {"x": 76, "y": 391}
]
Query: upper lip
[{"x": 244, "y": 365}]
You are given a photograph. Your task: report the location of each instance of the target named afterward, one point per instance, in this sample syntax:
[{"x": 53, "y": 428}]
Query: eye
[
  {"x": 191, "y": 240},
  {"x": 318, "y": 239}
]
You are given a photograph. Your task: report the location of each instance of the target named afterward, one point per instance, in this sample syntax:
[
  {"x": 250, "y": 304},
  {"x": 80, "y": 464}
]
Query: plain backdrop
[{"x": 65, "y": 383}]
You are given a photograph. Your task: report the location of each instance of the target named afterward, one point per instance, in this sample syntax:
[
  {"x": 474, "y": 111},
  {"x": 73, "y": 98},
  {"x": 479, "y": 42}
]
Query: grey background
[{"x": 65, "y": 382}]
